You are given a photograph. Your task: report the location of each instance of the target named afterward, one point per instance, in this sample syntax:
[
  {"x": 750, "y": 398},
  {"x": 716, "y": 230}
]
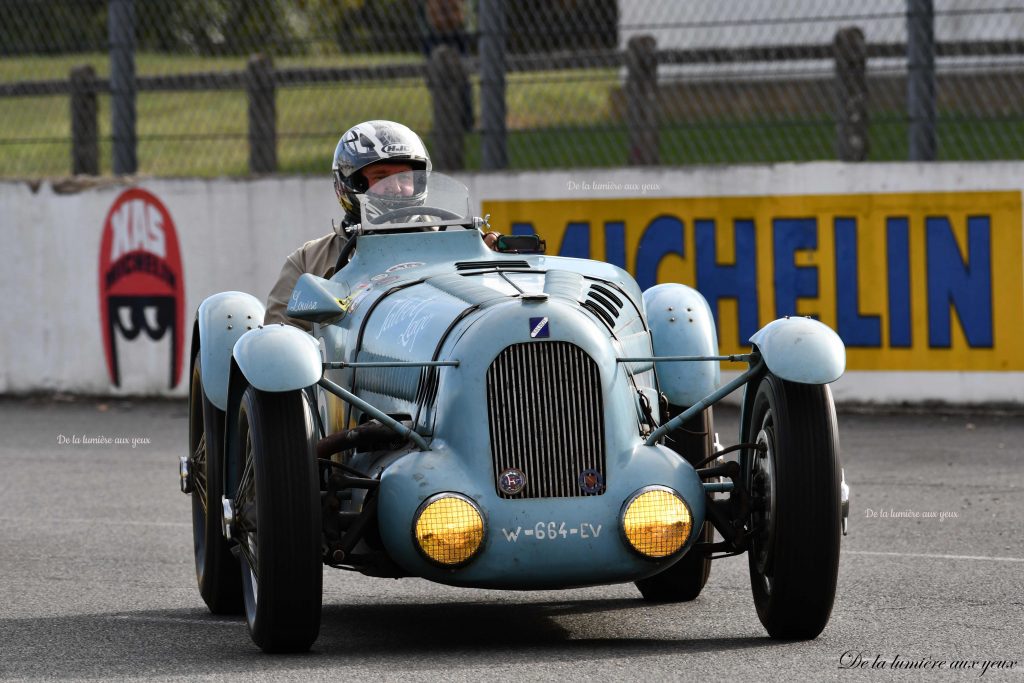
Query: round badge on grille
[
  {"x": 591, "y": 481},
  {"x": 511, "y": 482}
]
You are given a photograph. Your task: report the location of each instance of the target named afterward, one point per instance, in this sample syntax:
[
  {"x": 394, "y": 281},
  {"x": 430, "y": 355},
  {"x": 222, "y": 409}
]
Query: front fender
[
  {"x": 801, "y": 350},
  {"x": 220, "y": 321},
  {"x": 278, "y": 358}
]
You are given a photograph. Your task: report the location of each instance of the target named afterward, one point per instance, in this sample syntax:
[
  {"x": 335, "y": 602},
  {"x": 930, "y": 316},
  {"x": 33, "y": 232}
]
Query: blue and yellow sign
[{"x": 924, "y": 281}]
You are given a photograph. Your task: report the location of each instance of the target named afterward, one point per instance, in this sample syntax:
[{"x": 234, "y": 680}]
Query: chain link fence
[{"x": 232, "y": 87}]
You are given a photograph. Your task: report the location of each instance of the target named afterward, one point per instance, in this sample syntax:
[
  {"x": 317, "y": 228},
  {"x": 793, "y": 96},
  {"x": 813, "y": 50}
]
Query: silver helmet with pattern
[{"x": 368, "y": 143}]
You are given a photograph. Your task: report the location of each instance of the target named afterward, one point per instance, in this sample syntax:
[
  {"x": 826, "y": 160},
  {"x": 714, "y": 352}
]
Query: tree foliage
[
  {"x": 52, "y": 26},
  {"x": 367, "y": 25},
  {"x": 239, "y": 27},
  {"x": 204, "y": 27},
  {"x": 212, "y": 27}
]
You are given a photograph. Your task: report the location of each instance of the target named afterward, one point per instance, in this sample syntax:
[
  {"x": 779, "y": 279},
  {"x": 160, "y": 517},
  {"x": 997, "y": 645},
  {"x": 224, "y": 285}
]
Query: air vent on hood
[
  {"x": 480, "y": 265},
  {"x": 604, "y": 303}
]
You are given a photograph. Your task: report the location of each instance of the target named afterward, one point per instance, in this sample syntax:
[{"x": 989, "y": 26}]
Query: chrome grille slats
[
  {"x": 584, "y": 444},
  {"x": 587, "y": 416},
  {"x": 548, "y": 400},
  {"x": 563, "y": 465},
  {"x": 545, "y": 417},
  {"x": 577, "y": 438}
]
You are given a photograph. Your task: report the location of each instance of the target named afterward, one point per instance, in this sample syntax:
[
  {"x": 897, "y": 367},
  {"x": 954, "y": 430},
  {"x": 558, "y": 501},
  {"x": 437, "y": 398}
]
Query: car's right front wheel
[
  {"x": 792, "y": 478},
  {"x": 277, "y": 520}
]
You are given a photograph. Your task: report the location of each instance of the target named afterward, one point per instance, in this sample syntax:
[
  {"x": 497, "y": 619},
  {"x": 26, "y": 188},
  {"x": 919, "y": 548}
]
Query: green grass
[
  {"x": 747, "y": 142},
  {"x": 555, "y": 120},
  {"x": 46, "y": 67}
]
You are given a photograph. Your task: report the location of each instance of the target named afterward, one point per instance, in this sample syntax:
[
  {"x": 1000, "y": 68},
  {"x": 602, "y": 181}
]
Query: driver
[{"x": 376, "y": 154}]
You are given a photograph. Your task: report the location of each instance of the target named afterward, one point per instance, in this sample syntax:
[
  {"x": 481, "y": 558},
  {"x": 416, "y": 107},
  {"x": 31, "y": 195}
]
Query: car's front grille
[{"x": 546, "y": 420}]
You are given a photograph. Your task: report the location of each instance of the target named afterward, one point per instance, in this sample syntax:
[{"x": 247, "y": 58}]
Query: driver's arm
[
  {"x": 318, "y": 257},
  {"x": 277, "y": 301}
]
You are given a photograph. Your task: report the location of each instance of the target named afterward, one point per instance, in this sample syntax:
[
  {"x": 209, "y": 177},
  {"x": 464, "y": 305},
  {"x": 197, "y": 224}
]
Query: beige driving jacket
[{"x": 318, "y": 257}]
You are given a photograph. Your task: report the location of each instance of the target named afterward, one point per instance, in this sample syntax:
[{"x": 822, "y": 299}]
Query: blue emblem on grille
[
  {"x": 591, "y": 481},
  {"x": 539, "y": 328}
]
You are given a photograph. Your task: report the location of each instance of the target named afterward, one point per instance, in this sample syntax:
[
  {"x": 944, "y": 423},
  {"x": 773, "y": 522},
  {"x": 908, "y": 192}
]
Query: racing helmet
[{"x": 367, "y": 143}]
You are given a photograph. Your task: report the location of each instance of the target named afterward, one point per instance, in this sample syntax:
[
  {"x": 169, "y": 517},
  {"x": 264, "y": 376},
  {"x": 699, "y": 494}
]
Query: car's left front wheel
[{"x": 793, "y": 480}]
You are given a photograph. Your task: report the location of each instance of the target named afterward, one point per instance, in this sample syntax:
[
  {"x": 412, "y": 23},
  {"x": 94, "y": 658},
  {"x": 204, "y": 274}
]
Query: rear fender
[
  {"x": 220, "y": 321},
  {"x": 682, "y": 325}
]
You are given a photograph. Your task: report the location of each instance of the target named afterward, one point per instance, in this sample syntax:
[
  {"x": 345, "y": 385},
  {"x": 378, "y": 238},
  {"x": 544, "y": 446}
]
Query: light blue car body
[{"x": 444, "y": 296}]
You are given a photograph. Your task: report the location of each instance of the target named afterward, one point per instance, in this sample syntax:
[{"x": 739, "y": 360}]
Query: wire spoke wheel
[
  {"x": 792, "y": 479},
  {"x": 278, "y": 520},
  {"x": 245, "y": 524},
  {"x": 197, "y": 472},
  {"x": 216, "y": 566}
]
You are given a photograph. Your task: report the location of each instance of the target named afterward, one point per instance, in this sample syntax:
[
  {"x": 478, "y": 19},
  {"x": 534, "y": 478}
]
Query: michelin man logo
[{"x": 141, "y": 280}]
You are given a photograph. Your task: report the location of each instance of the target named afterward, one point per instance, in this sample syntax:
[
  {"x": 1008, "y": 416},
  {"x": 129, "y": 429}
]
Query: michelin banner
[{"x": 911, "y": 281}]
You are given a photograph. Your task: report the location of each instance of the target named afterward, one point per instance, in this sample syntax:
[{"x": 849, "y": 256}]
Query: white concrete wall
[{"x": 234, "y": 234}]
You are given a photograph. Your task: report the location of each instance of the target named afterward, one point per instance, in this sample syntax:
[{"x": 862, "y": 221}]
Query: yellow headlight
[
  {"x": 449, "y": 529},
  {"x": 657, "y": 522}
]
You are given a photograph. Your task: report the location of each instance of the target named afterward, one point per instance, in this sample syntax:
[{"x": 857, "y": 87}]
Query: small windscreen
[{"x": 414, "y": 200}]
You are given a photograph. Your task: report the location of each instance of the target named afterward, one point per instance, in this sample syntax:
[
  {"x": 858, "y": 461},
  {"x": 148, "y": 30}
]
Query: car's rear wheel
[
  {"x": 278, "y": 520},
  {"x": 216, "y": 568},
  {"x": 793, "y": 482},
  {"x": 685, "y": 580}
]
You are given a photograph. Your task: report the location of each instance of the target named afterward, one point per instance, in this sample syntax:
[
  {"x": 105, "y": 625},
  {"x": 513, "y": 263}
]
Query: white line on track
[
  {"x": 985, "y": 558},
  {"x": 178, "y": 620},
  {"x": 74, "y": 520}
]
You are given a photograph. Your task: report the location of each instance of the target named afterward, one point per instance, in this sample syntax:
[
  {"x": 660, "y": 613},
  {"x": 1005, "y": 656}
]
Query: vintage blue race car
[{"x": 501, "y": 419}]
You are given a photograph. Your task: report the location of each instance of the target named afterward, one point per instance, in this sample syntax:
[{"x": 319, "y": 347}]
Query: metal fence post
[
  {"x": 85, "y": 149},
  {"x": 493, "y": 38},
  {"x": 851, "y": 94},
  {"x": 121, "y": 27},
  {"x": 259, "y": 85},
  {"x": 921, "y": 79},
  {"x": 642, "y": 100},
  {"x": 447, "y": 82}
]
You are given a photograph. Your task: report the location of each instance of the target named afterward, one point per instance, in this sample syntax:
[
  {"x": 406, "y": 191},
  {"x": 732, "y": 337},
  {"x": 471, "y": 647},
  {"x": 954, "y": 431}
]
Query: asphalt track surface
[{"x": 97, "y": 580}]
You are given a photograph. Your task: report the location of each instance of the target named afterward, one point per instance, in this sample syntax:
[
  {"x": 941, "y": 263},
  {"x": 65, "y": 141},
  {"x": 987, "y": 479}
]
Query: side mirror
[
  {"x": 318, "y": 300},
  {"x": 520, "y": 244}
]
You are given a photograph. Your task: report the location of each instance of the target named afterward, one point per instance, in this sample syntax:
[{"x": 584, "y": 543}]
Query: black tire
[
  {"x": 278, "y": 520},
  {"x": 684, "y": 580},
  {"x": 217, "y": 570},
  {"x": 795, "y": 507}
]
